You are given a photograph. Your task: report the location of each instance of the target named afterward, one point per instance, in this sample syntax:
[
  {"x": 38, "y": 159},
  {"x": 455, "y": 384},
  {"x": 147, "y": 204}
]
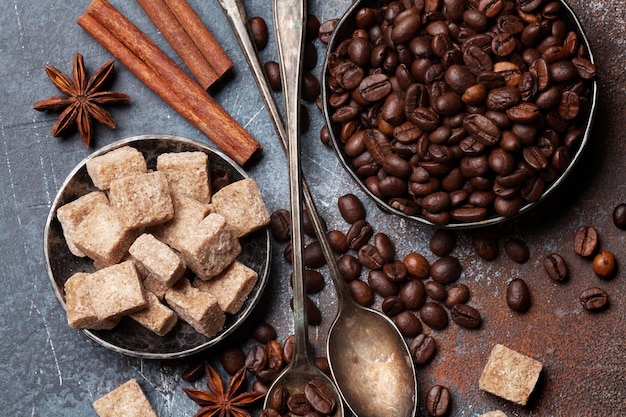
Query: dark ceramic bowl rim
[
  {"x": 339, "y": 35},
  {"x": 233, "y": 321}
]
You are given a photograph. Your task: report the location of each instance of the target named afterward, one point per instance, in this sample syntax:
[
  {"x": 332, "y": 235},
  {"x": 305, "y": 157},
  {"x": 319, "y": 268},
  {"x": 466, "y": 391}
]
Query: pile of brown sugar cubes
[{"x": 148, "y": 232}]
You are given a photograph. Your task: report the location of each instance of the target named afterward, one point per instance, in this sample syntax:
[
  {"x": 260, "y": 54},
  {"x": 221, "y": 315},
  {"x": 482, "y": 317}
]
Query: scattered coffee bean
[
  {"x": 313, "y": 282},
  {"x": 313, "y": 313},
  {"x": 351, "y": 208},
  {"x": 359, "y": 234},
  {"x": 585, "y": 241},
  {"x": 313, "y": 255},
  {"x": 298, "y": 404},
  {"x": 485, "y": 246},
  {"x": 604, "y": 264},
  {"x": 437, "y": 401},
  {"x": 465, "y": 316},
  {"x": 280, "y": 225},
  {"x": 443, "y": 242},
  {"x": 408, "y": 323},
  {"x": 370, "y": 257},
  {"x": 259, "y": 32},
  {"x": 320, "y": 397},
  {"x": 446, "y": 270},
  {"x": 457, "y": 294},
  {"x": 423, "y": 348},
  {"x": 619, "y": 216},
  {"x": 556, "y": 267},
  {"x": 278, "y": 400},
  {"x": 434, "y": 316},
  {"x": 326, "y": 29},
  {"x": 518, "y": 295},
  {"x": 361, "y": 292},
  {"x": 194, "y": 371},
  {"x": 256, "y": 359},
  {"x": 392, "y": 306},
  {"x": 272, "y": 72},
  {"x": 413, "y": 294},
  {"x": 381, "y": 285},
  {"x": 417, "y": 265},
  {"x": 288, "y": 347},
  {"x": 349, "y": 267},
  {"x": 436, "y": 291},
  {"x": 517, "y": 250},
  {"x": 338, "y": 241},
  {"x": 594, "y": 299},
  {"x": 232, "y": 359},
  {"x": 264, "y": 333}
]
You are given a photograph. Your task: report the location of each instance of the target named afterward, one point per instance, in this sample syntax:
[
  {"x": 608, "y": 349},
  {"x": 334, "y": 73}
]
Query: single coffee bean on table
[
  {"x": 619, "y": 216},
  {"x": 594, "y": 299},
  {"x": 517, "y": 250},
  {"x": 437, "y": 401},
  {"x": 604, "y": 264},
  {"x": 518, "y": 295},
  {"x": 556, "y": 267},
  {"x": 585, "y": 241}
]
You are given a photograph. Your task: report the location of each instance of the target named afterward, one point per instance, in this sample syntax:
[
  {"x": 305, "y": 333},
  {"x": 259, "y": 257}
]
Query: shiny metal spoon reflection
[{"x": 369, "y": 358}]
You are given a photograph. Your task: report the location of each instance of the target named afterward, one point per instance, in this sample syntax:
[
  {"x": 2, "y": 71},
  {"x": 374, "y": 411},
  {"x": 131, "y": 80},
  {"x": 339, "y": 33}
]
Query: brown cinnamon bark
[
  {"x": 157, "y": 71},
  {"x": 185, "y": 47}
]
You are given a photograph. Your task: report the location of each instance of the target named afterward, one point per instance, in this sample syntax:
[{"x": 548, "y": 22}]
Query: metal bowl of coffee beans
[{"x": 460, "y": 115}]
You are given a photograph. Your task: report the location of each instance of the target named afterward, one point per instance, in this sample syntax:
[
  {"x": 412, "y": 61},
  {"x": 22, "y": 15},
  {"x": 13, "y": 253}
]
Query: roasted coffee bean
[
  {"x": 313, "y": 281},
  {"x": 437, "y": 401},
  {"x": 417, "y": 265},
  {"x": 517, "y": 250},
  {"x": 313, "y": 255},
  {"x": 310, "y": 87},
  {"x": 349, "y": 267},
  {"x": 556, "y": 267},
  {"x": 280, "y": 224},
  {"x": 220, "y": 178},
  {"x": 395, "y": 271},
  {"x": 278, "y": 400},
  {"x": 370, "y": 258},
  {"x": 594, "y": 299},
  {"x": 298, "y": 404},
  {"x": 351, "y": 208},
  {"x": 485, "y": 246},
  {"x": 269, "y": 412},
  {"x": 413, "y": 294},
  {"x": 384, "y": 246},
  {"x": 232, "y": 359},
  {"x": 436, "y": 291},
  {"x": 604, "y": 264},
  {"x": 619, "y": 216},
  {"x": 256, "y": 359},
  {"x": 446, "y": 270},
  {"x": 313, "y": 313},
  {"x": 408, "y": 323},
  {"x": 259, "y": 32},
  {"x": 423, "y": 348},
  {"x": 443, "y": 242},
  {"x": 275, "y": 355},
  {"x": 320, "y": 396},
  {"x": 194, "y": 371},
  {"x": 518, "y": 295},
  {"x": 381, "y": 285},
  {"x": 392, "y": 305},
  {"x": 457, "y": 294},
  {"x": 482, "y": 129},
  {"x": 326, "y": 29},
  {"x": 264, "y": 333},
  {"x": 465, "y": 316},
  {"x": 288, "y": 347},
  {"x": 585, "y": 241},
  {"x": 272, "y": 72},
  {"x": 338, "y": 241},
  {"x": 361, "y": 292},
  {"x": 434, "y": 316},
  {"x": 359, "y": 234}
]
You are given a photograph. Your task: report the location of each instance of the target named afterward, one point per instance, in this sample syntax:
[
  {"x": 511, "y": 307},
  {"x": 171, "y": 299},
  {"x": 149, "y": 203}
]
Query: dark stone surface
[{"x": 50, "y": 369}]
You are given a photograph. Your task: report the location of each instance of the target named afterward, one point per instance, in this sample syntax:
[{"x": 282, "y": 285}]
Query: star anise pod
[
  {"x": 217, "y": 401},
  {"x": 83, "y": 101}
]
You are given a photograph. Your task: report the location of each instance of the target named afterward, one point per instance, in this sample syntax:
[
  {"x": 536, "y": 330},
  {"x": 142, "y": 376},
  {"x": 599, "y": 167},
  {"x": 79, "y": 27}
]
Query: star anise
[
  {"x": 217, "y": 401},
  {"x": 83, "y": 101}
]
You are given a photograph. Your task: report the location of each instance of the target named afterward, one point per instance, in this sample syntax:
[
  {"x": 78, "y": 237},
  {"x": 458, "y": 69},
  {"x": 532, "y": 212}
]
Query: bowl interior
[
  {"x": 344, "y": 30},
  {"x": 128, "y": 337}
]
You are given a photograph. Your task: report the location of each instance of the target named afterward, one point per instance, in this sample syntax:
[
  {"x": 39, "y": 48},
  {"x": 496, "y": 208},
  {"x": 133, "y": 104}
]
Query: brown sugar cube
[
  {"x": 187, "y": 214},
  {"x": 198, "y": 308},
  {"x": 71, "y": 214},
  {"x": 157, "y": 258},
  {"x": 187, "y": 173},
  {"x": 80, "y": 313},
  {"x": 510, "y": 375},
  {"x": 156, "y": 317},
  {"x": 102, "y": 237},
  {"x": 496, "y": 413},
  {"x": 210, "y": 247},
  {"x": 155, "y": 286},
  {"x": 241, "y": 203},
  {"x": 142, "y": 199},
  {"x": 231, "y": 287},
  {"x": 118, "y": 163},
  {"x": 116, "y": 291},
  {"x": 127, "y": 400}
]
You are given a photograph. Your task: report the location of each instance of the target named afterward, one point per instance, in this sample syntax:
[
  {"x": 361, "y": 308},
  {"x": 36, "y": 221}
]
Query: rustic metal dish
[
  {"x": 344, "y": 30},
  {"x": 128, "y": 337}
]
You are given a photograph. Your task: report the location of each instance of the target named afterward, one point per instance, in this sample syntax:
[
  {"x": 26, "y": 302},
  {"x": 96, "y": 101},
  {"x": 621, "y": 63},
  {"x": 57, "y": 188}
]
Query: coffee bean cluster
[
  {"x": 315, "y": 400},
  {"x": 459, "y": 110}
]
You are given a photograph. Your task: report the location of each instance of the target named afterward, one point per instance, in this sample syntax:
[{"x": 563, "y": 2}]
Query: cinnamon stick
[
  {"x": 201, "y": 36},
  {"x": 173, "y": 31},
  {"x": 157, "y": 71}
]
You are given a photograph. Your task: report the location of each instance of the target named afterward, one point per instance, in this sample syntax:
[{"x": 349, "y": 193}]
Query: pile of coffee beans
[
  {"x": 459, "y": 110},
  {"x": 315, "y": 400}
]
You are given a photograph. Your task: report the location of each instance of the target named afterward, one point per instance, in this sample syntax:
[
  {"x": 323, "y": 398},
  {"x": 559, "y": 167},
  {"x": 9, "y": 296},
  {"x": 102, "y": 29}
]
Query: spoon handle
[
  {"x": 236, "y": 15},
  {"x": 289, "y": 23}
]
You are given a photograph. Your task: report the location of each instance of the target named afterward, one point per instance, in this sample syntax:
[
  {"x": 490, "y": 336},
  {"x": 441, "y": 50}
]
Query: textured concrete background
[{"x": 46, "y": 368}]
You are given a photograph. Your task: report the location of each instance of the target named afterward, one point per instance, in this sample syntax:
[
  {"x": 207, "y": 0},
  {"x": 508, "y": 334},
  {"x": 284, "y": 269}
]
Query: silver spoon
[
  {"x": 289, "y": 20},
  {"x": 369, "y": 395}
]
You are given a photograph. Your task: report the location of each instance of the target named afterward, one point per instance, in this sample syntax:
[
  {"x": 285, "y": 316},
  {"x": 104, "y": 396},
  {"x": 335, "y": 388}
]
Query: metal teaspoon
[{"x": 353, "y": 354}]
